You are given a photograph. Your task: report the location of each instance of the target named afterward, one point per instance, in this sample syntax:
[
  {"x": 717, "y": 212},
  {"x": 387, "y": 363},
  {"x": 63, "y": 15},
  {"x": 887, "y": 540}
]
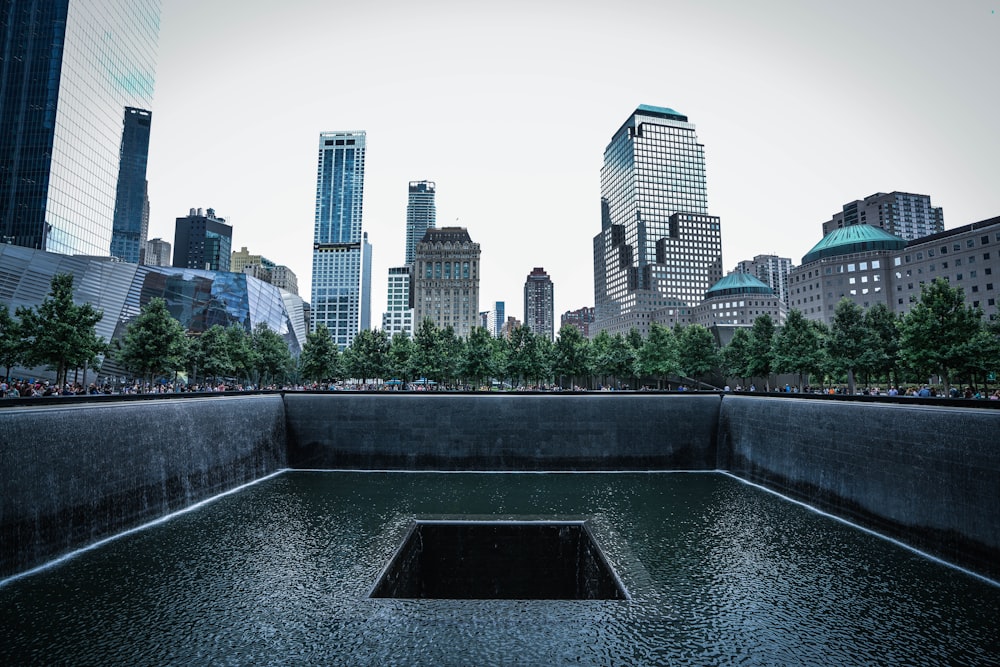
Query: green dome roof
[
  {"x": 738, "y": 283},
  {"x": 852, "y": 239}
]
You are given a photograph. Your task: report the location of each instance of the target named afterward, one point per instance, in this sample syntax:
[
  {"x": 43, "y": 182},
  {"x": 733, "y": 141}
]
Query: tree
[
  {"x": 477, "y": 363},
  {"x": 401, "y": 350},
  {"x": 209, "y": 354},
  {"x": 658, "y": 354},
  {"x": 11, "y": 344},
  {"x": 572, "y": 354},
  {"x": 634, "y": 341},
  {"x": 798, "y": 347},
  {"x": 452, "y": 352},
  {"x": 761, "y": 353},
  {"x": 736, "y": 355},
  {"x": 154, "y": 343},
  {"x": 320, "y": 359},
  {"x": 271, "y": 355},
  {"x": 600, "y": 349},
  {"x": 697, "y": 353},
  {"x": 243, "y": 356},
  {"x": 849, "y": 339},
  {"x": 60, "y": 334},
  {"x": 882, "y": 355},
  {"x": 428, "y": 356},
  {"x": 368, "y": 356},
  {"x": 935, "y": 334}
]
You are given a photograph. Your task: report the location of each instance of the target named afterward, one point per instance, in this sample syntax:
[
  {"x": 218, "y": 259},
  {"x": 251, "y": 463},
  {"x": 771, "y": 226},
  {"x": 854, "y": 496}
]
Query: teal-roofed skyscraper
[
  {"x": 68, "y": 70},
  {"x": 658, "y": 250},
  {"x": 341, "y": 275}
]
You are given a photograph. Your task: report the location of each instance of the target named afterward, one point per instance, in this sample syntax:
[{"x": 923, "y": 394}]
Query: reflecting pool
[{"x": 719, "y": 572}]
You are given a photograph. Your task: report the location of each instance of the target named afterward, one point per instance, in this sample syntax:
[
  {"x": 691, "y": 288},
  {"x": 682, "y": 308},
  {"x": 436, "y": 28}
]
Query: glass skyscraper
[
  {"x": 68, "y": 70},
  {"x": 341, "y": 275},
  {"x": 658, "y": 251},
  {"x": 131, "y": 222},
  {"x": 421, "y": 215}
]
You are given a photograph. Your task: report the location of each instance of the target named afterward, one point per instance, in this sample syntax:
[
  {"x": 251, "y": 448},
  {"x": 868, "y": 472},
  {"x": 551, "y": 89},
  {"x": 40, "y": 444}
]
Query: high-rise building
[
  {"x": 67, "y": 72},
  {"x": 130, "y": 228},
  {"x": 904, "y": 214},
  {"x": 202, "y": 241},
  {"x": 341, "y": 268},
  {"x": 771, "y": 270},
  {"x": 398, "y": 315},
  {"x": 260, "y": 267},
  {"x": 157, "y": 253},
  {"x": 581, "y": 318},
  {"x": 421, "y": 215},
  {"x": 658, "y": 251},
  {"x": 446, "y": 280},
  {"x": 538, "y": 303}
]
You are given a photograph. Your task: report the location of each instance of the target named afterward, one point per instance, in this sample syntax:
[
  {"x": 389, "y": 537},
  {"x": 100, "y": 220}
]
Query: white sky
[{"x": 802, "y": 106}]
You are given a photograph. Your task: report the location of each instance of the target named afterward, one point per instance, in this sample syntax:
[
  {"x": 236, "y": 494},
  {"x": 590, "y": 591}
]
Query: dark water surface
[{"x": 719, "y": 573}]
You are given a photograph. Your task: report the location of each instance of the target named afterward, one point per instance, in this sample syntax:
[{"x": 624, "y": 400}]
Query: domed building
[
  {"x": 851, "y": 262},
  {"x": 736, "y": 301}
]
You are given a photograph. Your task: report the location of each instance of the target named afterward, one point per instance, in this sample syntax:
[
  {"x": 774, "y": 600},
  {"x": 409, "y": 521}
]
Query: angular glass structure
[
  {"x": 197, "y": 299},
  {"x": 131, "y": 222},
  {"x": 68, "y": 71},
  {"x": 341, "y": 275},
  {"x": 658, "y": 247}
]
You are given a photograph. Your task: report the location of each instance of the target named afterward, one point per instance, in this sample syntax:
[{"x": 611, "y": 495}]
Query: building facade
[
  {"x": 421, "y": 214},
  {"x": 539, "y": 304},
  {"x": 130, "y": 227},
  {"x": 197, "y": 299},
  {"x": 202, "y": 241},
  {"x": 904, "y": 214},
  {"x": 69, "y": 70},
  {"x": 398, "y": 316},
  {"x": 581, "y": 318},
  {"x": 157, "y": 253},
  {"x": 446, "y": 280},
  {"x": 658, "y": 250},
  {"x": 736, "y": 301},
  {"x": 770, "y": 270},
  {"x": 341, "y": 267},
  {"x": 260, "y": 267}
]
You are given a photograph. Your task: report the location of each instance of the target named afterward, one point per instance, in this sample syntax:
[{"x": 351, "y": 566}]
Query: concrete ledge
[
  {"x": 74, "y": 474},
  {"x": 929, "y": 476},
  {"x": 502, "y": 431}
]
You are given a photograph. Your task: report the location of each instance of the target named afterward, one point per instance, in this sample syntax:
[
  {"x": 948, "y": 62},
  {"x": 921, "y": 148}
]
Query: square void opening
[{"x": 502, "y": 560}]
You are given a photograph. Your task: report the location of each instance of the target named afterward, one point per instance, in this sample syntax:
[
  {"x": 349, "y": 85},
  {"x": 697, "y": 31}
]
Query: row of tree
[{"x": 939, "y": 336}]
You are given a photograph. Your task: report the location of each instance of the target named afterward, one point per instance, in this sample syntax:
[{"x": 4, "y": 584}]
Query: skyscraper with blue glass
[
  {"x": 68, "y": 70},
  {"x": 341, "y": 275},
  {"x": 131, "y": 222}
]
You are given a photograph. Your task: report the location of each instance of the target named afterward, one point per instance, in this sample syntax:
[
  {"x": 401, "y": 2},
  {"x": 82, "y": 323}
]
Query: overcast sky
[{"x": 802, "y": 106}]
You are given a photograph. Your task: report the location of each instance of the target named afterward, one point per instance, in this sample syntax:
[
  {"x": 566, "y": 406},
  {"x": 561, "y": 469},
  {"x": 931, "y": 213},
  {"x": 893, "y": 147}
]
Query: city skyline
[{"x": 793, "y": 127}]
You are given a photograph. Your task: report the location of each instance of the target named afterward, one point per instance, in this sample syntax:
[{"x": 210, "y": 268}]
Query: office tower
[
  {"x": 771, "y": 270},
  {"x": 157, "y": 253},
  {"x": 67, "y": 71},
  {"x": 262, "y": 268},
  {"x": 421, "y": 214},
  {"x": 906, "y": 215},
  {"x": 538, "y": 303},
  {"x": 341, "y": 268},
  {"x": 658, "y": 250},
  {"x": 202, "y": 241},
  {"x": 398, "y": 316},
  {"x": 497, "y": 317},
  {"x": 446, "y": 280},
  {"x": 130, "y": 227},
  {"x": 581, "y": 318}
]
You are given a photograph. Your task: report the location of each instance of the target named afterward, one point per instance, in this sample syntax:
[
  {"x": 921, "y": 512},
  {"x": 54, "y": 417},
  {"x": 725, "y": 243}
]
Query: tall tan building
[{"x": 445, "y": 280}]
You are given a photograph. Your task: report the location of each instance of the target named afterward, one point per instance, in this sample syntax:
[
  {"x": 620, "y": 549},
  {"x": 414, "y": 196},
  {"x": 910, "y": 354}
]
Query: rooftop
[
  {"x": 738, "y": 283},
  {"x": 852, "y": 239}
]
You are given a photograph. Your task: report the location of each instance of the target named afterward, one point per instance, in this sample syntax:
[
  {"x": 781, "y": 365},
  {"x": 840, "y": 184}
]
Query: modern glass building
[
  {"x": 658, "y": 249},
  {"x": 341, "y": 275},
  {"x": 421, "y": 214},
  {"x": 197, "y": 299},
  {"x": 68, "y": 70},
  {"x": 538, "y": 303},
  {"x": 398, "y": 316},
  {"x": 203, "y": 241},
  {"x": 131, "y": 222}
]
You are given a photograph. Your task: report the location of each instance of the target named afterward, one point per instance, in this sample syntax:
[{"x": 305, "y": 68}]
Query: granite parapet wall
[
  {"x": 73, "y": 474},
  {"x": 928, "y": 476},
  {"x": 426, "y": 431}
]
